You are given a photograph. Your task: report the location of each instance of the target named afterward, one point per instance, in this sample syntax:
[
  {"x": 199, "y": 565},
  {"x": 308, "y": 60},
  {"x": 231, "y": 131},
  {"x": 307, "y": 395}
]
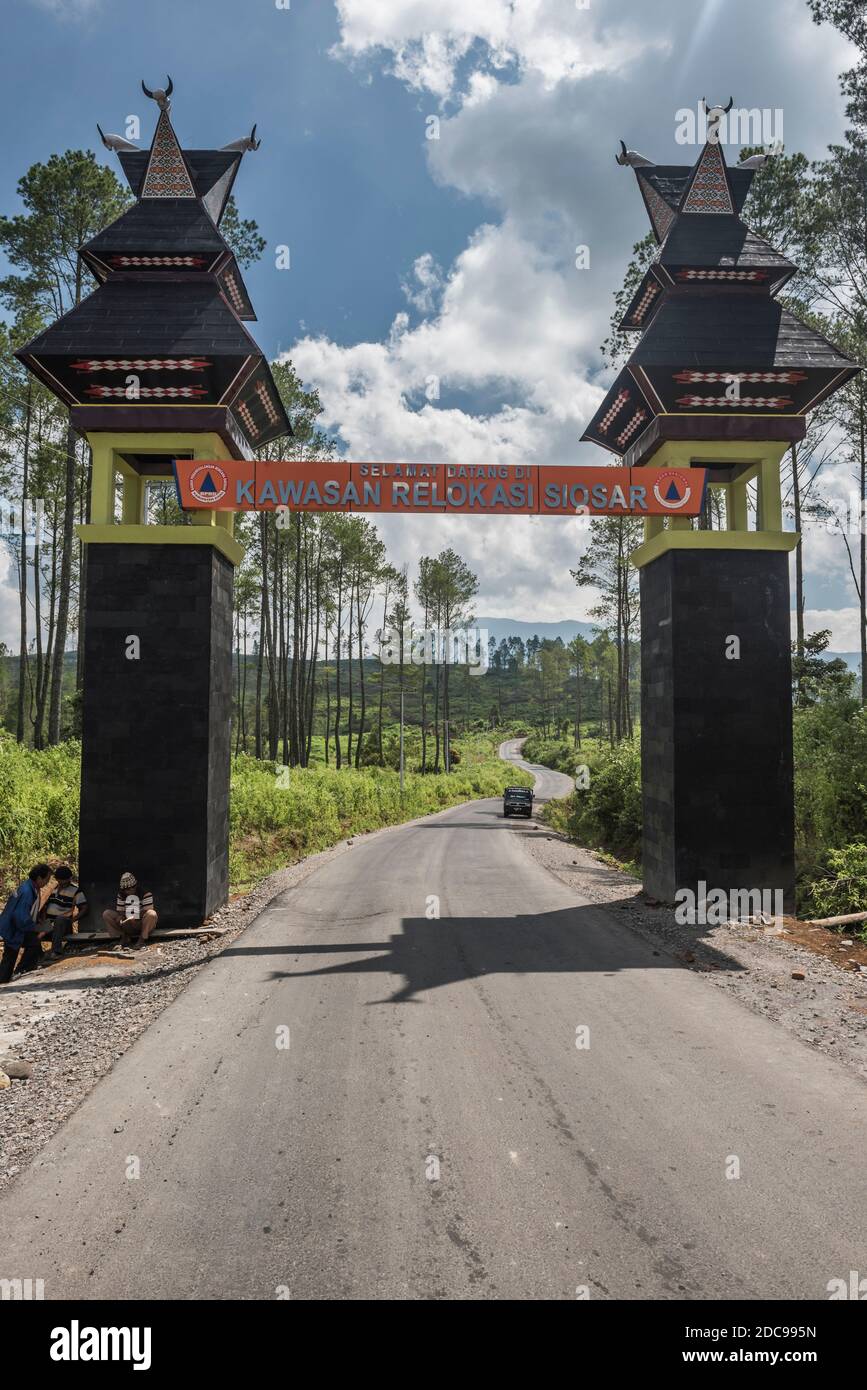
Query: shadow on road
[{"x": 430, "y": 954}]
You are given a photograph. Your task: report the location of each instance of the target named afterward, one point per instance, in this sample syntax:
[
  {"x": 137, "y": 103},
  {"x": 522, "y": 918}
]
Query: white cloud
[
  {"x": 843, "y": 625},
  {"x": 9, "y": 612},
  {"x": 424, "y": 294},
  {"x": 428, "y": 44},
  {"x": 507, "y": 323}
]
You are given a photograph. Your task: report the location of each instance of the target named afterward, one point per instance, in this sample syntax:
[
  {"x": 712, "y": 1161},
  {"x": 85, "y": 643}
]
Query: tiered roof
[
  {"x": 707, "y": 312},
  {"x": 168, "y": 308}
]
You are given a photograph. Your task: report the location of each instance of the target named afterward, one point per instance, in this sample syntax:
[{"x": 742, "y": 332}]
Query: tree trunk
[
  {"x": 799, "y": 556},
  {"x": 84, "y": 513},
  {"x": 22, "y": 569},
  {"x": 863, "y": 530},
  {"x": 352, "y": 582},
  {"x": 337, "y": 699},
  {"x": 577, "y": 703},
  {"x": 362, "y": 687},
  {"x": 65, "y": 586}
]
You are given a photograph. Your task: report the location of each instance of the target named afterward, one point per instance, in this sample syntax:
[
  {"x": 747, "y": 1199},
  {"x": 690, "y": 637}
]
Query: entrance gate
[{"x": 163, "y": 380}]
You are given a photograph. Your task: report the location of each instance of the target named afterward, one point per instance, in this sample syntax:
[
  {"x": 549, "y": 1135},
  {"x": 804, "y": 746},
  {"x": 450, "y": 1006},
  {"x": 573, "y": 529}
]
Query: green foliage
[
  {"x": 830, "y": 742},
  {"x": 242, "y": 234},
  {"x": 271, "y": 824},
  {"x": 843, "y": 886},
  {"x": 830, "y": 746},
  {"x": 559, "y": 754},
  {"x": 607, "y": 813},
  {"x": 277, "y": 818},
  {"x": 813, "y": 677},
  {"x": 38, "y": 807}
]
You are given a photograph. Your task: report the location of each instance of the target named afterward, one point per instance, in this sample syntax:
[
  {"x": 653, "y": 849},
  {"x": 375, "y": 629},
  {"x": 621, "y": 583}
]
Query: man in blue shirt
[{"x": 18, "y": 924}]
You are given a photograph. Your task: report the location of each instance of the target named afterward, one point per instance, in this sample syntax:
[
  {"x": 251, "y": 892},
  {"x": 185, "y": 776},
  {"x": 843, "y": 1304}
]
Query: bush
[
  {"x": 277, "y": 816},
  {"x": 556, "y": 753},
  {"x": 843, "y": 887},
  {"x": 830, "y": 740},
  {"x": 38, "y": 806}
]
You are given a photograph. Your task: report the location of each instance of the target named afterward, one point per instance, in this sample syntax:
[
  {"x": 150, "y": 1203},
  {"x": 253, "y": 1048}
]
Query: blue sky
[{"x": 453, "y": 258}]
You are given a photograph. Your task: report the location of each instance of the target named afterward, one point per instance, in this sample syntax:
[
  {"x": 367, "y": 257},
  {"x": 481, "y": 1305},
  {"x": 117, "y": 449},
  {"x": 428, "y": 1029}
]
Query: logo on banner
[
  {"x": 208, "y": 483},
  {"x": 672, "y": 491}
]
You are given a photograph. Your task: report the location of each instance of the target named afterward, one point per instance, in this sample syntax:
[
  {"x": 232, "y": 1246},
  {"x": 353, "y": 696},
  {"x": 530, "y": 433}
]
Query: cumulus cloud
[
  {"x": 9, "y": 611},
  {"x": 504, "y": 366},
  {"x": 427, "y": 47},
  {"x": 424, "y": 287},
  {"x": 505, "y": 322},
  {"x": 842, "y": 623}
]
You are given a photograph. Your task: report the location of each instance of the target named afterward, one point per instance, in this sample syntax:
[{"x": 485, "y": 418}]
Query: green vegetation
[
  {"x": 276, "y": 817},
  {"x": 606, "y": 814},
  {"x": 830, "y": 744},
  {"x": 38, "y": 806}
]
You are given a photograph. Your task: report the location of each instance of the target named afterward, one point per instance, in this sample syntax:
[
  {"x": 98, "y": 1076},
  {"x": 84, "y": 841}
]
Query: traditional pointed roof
[
  {"x": 663, "y": 186},
  {"x": 166, "y": 175},
  {"x": 708, "y": 241},
  {"x": 715, "y": 345},
  {"x": 213, "y": 173},
  {"x": 160, "y": 344},
  {"x": 707, "y": 190},
  {"x": 170, "y": 232}
]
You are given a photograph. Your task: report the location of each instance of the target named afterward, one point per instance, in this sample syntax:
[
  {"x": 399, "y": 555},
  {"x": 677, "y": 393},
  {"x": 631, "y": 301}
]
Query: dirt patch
[{"x": 830, "y": 944}]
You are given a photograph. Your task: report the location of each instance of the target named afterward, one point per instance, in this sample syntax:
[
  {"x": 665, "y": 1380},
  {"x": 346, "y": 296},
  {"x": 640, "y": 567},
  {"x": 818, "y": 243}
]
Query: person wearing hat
[{"x": 134, "y": 916}]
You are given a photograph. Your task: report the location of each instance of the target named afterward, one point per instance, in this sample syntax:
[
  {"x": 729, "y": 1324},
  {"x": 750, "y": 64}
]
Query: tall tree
[{"x": 66, "y": 202}]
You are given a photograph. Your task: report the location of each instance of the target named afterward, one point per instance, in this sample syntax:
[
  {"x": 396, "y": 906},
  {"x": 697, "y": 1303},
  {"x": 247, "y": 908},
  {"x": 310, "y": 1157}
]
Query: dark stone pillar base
[
  {"x": 156, "y": 731},
  {"x": 716, "y": 734}
]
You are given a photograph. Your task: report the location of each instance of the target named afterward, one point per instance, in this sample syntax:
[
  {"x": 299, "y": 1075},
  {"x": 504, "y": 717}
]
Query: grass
[{"x": 276, "y": 816}]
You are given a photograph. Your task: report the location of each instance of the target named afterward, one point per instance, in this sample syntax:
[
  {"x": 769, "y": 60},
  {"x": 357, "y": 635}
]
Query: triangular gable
[
  {"x": 660, "y": 212},
  {"x": 708, "y": 190},
  {"x": 218, "y": 194},
  {"x": 167, "y": 174}
]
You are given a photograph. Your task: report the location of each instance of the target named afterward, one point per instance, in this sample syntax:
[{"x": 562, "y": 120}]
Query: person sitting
[
  {"x": 134, "y": 916},
  {"x": 18, "y": 924},
  {"x": 66, "y": 906}
]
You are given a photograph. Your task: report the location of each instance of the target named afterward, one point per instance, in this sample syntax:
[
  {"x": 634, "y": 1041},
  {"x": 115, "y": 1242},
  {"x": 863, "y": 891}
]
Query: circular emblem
[
  {"x": 208, "y": 483},
  {"x": 671, "y": 490}
]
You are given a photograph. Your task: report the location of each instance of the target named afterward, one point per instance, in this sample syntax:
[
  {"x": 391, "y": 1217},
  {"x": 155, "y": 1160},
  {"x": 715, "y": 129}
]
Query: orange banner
[{"x": 482, "y": 489}]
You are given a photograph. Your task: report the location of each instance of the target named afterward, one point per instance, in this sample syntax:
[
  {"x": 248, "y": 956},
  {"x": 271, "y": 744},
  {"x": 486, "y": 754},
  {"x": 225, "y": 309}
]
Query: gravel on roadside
[{"x": 72, "y": 1020}]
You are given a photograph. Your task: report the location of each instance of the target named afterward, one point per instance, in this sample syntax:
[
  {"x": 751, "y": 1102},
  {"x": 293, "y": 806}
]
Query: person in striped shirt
[
  {"x": 134, "y": 916},
  {"x": 67, "y": 904}
]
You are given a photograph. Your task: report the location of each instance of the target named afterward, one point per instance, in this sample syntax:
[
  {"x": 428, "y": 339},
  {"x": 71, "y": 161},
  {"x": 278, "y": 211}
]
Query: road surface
[{"x": 432, "y": 1131}]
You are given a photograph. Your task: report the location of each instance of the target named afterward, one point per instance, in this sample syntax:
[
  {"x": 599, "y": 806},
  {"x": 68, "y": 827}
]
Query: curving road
[{"x": 432, "y": 1131}]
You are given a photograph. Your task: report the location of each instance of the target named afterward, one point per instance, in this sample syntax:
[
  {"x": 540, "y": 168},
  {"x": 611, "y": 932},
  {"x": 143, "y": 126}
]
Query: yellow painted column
[
  {"x": 102, "y": 483},
  {"x": 652, "y": 526},
  {"x": 770, "y": 496},
  {"x": 737, "y": 508},
  {"x": 132, "y": 513}
]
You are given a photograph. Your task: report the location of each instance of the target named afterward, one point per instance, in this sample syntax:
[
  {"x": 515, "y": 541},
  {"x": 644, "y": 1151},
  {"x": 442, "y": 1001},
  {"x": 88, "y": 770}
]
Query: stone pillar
[
  {"x": 156, "y": 729},
  {"x": 716, "y": 732}
]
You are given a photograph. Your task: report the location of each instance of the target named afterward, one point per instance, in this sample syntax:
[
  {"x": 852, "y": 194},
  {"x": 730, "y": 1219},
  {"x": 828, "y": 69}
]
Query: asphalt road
[{"x": 432, "y": 1130}]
